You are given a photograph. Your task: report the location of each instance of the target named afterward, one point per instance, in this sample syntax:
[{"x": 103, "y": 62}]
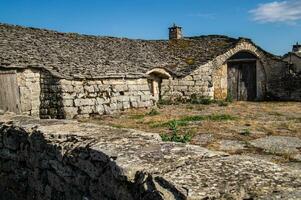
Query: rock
[
  {"x": 282, "y": 145},
  {"x": 70, "y": 160},
  {"x": 203, "y": 139},
  {"x": 231, "y": 145}
]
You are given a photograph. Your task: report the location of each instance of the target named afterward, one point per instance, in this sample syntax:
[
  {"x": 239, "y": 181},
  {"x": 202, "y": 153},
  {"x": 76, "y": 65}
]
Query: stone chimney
[
  {"x": 297, "y": 48},
  {"x": 175, "y": 32}
]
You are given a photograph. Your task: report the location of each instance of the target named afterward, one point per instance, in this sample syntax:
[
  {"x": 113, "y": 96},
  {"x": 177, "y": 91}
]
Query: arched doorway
[
  {"x": 155, "y": 77},
  {"x": 241, "y": 76}
]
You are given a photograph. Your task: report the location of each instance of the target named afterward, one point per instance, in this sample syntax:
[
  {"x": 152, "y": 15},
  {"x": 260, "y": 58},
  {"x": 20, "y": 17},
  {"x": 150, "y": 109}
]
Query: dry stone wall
[
  {"x": 51, "y": 97},
  {"x": 29, "y": 88},
  {"x": 89, "y": 97},
  {"x": 198, "y": 82}
]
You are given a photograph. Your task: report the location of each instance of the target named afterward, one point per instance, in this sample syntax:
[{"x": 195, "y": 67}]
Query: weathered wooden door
[
  {"x": 242, "y": 80},
  {"x": 9, "y": 93}
]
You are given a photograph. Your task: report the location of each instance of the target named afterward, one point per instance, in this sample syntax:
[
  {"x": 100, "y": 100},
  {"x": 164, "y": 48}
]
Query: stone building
[
  {"x": 66, "y": 75},
  {"x": 294, "y": 58},
  {"x": 293, "y": 80}
]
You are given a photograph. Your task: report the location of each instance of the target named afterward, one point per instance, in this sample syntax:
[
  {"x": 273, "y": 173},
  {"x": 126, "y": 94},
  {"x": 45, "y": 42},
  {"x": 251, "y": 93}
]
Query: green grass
[
  {"x": 117, "y": 126},
  {"x": 245, "y": 132},
  {"x": 184, "y": 121},
  {"x": 222, "y": 103},
  {"x": 136, "y": 116},
  {"x": 153, "y": 112},
  {"x": 176, "y": 138}
]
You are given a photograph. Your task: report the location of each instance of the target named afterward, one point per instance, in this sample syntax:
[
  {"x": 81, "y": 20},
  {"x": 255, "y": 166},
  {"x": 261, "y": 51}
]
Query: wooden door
[
  {"x": 233, "y": 84},
  {"x": 242, "y": 80},
  {"x": 9, "y": 93}
]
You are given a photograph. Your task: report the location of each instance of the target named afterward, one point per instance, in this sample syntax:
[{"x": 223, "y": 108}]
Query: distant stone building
[
  {"x": 66, "y": 75},
  {"x": 293, "y": 80},
  {"x": 294, "y": 58}
]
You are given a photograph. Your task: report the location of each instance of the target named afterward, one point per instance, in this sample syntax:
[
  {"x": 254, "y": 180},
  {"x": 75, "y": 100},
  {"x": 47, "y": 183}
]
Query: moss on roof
[{"x": 82, "y": 56}]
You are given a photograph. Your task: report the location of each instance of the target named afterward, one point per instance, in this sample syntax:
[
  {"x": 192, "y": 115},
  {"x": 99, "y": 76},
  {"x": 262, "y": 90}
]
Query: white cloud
[{"x": 278, "y": 11}]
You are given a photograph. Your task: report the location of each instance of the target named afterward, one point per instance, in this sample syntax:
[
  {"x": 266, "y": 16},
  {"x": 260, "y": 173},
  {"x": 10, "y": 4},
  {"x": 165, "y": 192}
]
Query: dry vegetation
[{"x": 237, "y": 121}]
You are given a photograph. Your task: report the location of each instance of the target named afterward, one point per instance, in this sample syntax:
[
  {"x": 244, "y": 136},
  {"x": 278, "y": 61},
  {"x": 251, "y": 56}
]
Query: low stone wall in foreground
[{"x": 52, "y": 159}]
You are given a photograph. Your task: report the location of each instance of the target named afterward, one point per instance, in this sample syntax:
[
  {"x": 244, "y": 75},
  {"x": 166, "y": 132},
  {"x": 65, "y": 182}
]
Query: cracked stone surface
[
  {"x": 282, "y": 145},
  {"x": 52, "y": 159},
  {"x": 231, "y": 145}
]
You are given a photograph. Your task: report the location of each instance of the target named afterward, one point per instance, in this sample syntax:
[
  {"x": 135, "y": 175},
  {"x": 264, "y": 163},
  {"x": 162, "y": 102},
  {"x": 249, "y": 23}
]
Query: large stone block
[
  {"x": 68, "y": 102},
  {"x": 84, "y": 102},
  {"x": 186, "y": 83},
  {"x": 86, "y": 109},
  {"x": 89, "y": 89}
]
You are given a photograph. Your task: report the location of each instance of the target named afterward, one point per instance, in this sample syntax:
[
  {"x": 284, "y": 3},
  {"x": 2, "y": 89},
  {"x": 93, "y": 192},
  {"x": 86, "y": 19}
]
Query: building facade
[{"x": 65, "y": 75}]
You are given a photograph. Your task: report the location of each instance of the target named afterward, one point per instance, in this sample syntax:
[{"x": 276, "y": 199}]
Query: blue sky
[{"x": 274, "y": 25}]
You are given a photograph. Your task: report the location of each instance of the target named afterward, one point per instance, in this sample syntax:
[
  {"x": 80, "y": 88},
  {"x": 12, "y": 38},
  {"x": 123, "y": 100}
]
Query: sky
[{"x": 275, "y": 25}]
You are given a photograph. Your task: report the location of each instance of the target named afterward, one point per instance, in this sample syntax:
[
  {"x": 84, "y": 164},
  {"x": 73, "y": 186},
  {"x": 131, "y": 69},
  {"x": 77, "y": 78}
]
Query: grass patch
[
  {"x": 222, "y": 103},
  {"x": 176, "y": 138},
  {"x": 229, "y": 98},
  {"x": 195, "y": 99},
  {"x": 276, "y": 114},
  {"x": 117, "y": 126},
  {"x": 136, "y": 116},
  {"x": 153, "y": 112},
  {"x": 184, "y": 121},
  {"x": 208, "y": 117},
  {"x": 245, "y": 132}
]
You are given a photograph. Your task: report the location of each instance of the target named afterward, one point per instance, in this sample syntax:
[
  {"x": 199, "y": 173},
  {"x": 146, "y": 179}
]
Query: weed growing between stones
[
  {"x": 245, "y": 132},
  {"x": 175, "y": 137},
  {"x": 229, "y": 98}
]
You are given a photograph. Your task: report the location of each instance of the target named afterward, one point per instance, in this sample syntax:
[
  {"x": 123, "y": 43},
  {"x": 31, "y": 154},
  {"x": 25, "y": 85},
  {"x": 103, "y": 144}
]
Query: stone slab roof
[
  {"x": 71, "y": 55},
  {"x": 292, "y": 53}
]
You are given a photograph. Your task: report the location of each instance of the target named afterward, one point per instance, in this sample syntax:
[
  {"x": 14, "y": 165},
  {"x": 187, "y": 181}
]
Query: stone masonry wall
[
  {"x": 85, "y": 98},
  {"x": 209, "y": 80},
  {"x": 29, "y": 88},
  {"x": 199, "y": 82},
  {"x": 51, "y": 97}
]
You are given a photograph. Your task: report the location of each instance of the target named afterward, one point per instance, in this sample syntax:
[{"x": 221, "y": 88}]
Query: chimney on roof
[
  {"x": 297, "y": 48},
  {"x": 175, "y": 32}
]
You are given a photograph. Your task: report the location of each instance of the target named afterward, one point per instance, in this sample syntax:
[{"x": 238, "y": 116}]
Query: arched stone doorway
[
  {"x": 155, "y": 77},
  {"x": 241, "y": 76}
]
